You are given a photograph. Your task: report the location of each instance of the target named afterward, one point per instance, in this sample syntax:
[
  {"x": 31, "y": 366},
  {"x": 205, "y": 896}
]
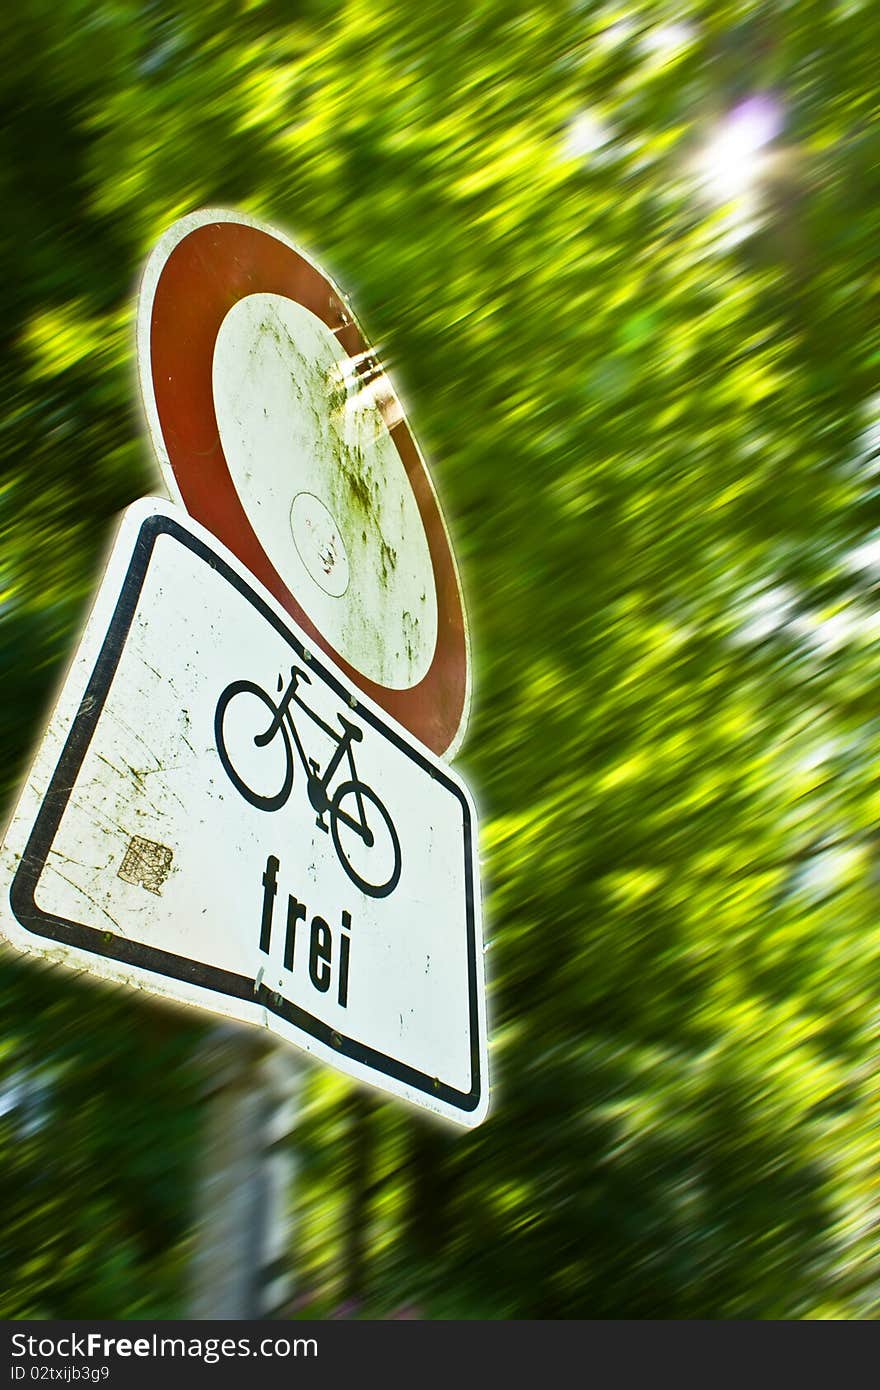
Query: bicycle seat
[{"x": 354, "y": 732}]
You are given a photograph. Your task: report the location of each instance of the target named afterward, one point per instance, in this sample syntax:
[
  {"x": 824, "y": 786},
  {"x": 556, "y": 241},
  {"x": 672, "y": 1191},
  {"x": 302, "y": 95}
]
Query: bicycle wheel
[
  {"x": 254, "y": 770},
  {"x": 381, "y": 856}
]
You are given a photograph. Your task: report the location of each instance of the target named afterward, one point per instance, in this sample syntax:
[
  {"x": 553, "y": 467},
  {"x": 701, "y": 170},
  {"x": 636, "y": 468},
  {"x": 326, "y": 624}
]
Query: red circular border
[{"x": 207, "y": 272}]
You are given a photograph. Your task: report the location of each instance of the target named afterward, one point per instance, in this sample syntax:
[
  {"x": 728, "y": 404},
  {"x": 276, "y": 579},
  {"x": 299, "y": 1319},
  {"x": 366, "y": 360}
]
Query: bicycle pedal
[
  {"x": 321, "y": 825},
  {"x": 315, "y": 766}
]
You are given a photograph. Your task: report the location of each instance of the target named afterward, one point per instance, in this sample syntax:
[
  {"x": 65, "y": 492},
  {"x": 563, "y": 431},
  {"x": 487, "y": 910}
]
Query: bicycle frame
[
  {"x": 350, "y": 734},
  {"x": 349, "y": 791}
]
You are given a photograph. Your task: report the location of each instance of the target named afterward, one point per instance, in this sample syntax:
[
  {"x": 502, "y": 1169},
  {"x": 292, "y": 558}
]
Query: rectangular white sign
[{"x": 217, "y": 815}]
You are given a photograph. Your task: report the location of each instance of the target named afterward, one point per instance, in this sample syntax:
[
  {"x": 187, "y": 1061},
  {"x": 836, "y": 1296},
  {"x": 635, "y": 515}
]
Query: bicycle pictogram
[{"x": 357, "y": 821}]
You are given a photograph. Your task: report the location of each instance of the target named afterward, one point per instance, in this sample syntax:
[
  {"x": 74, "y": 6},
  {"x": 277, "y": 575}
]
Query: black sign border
[{"x": 22, "y": 895}]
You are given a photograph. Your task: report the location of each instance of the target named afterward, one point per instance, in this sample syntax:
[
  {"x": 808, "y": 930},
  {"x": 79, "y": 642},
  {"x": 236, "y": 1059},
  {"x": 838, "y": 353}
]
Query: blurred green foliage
[{"x": 653, "y": 420}]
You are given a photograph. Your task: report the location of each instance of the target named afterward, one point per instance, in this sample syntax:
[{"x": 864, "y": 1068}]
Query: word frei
[{"x": 320, "y": 937}]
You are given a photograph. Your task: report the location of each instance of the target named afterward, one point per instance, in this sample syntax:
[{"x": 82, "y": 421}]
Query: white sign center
[{"x": 299, "y": 419}]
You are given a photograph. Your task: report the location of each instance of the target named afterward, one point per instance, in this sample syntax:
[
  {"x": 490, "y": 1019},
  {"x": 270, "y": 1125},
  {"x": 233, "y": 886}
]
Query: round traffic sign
[{"x": 276, "y": 426}]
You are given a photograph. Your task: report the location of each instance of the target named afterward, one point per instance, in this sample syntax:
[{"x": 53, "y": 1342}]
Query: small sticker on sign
[{"x": 146, "y": 864}]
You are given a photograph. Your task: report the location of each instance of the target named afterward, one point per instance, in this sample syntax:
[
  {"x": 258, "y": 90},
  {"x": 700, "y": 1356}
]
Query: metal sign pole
[{"x": 240, "y": 1262}]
